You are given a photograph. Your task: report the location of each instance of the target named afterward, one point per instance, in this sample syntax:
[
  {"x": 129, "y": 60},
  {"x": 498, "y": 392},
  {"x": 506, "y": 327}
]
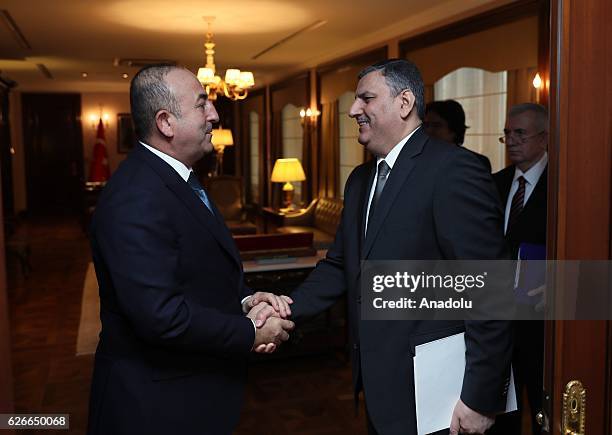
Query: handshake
[{"x": 269, "y": 313}]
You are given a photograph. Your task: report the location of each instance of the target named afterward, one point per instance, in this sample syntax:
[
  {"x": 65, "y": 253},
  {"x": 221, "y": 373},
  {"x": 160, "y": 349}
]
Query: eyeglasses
[{"x": 518, "y": 135}]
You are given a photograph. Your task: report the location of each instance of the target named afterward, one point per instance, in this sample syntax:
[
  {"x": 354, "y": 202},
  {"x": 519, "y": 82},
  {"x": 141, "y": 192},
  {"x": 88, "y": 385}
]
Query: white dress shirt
[
  {"x": 531, "y": 179},
  {"x": 390, "y": 159},
  {"x": 179, "y": 167}
]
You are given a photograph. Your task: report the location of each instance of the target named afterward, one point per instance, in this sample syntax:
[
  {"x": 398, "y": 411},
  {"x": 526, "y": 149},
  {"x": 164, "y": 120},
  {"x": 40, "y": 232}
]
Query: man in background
[
  {"x": 175, "y": 339},
  {"x": 445, "y": 120},
  {"x": 522, "y": 188}
]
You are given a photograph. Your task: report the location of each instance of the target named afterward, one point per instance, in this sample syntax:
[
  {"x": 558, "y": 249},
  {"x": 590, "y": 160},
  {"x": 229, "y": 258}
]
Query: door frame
[{"x": 580, "y": 198}]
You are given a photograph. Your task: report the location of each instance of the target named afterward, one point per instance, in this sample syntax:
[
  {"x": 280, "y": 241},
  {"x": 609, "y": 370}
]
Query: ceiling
[{"x": 69, "y": 37}]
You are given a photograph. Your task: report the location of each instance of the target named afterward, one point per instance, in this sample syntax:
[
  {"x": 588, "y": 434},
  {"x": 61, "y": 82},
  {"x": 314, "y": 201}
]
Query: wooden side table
[{"x": 273, "y": 217}]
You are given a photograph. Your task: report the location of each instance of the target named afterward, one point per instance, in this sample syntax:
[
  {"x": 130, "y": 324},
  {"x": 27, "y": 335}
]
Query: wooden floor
[{"x": 297, "y": 396}]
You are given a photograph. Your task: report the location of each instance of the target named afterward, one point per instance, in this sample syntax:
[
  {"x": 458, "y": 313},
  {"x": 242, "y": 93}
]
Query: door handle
[{"x": 574, "y": 409}]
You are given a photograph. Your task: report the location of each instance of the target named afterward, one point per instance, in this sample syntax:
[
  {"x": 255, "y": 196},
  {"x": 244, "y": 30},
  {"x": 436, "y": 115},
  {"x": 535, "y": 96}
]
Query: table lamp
[
  {"x": 221, "y": 138},
  {"x": 286, "y": 171}
]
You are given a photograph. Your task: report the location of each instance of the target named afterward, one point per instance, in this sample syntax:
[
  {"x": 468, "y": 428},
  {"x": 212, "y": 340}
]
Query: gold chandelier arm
[
  {"x": 233, "y": 92},
  {"x": 242, "y": 95}
]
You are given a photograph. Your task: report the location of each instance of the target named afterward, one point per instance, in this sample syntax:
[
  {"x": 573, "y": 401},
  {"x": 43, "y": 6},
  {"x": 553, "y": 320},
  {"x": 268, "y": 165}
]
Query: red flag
[{"x": 99, "y": 169}]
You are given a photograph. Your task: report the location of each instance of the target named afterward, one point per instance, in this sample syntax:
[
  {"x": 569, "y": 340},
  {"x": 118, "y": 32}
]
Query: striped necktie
[
  {"x": 194, "y": 183},
  {"x": 517, "y": 203}
]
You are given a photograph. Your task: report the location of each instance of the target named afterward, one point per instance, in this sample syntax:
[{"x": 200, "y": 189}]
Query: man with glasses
[{"x": 522, "y": 188}]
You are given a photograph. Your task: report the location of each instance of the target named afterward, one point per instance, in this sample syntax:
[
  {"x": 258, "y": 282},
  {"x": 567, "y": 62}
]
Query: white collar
[
  {"x": 532, "y": 175},
  {"x": 178, "y": 166},
  {"x": 395, "y": 151}
]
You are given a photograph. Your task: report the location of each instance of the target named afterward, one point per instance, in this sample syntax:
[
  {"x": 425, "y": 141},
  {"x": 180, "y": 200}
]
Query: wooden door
[
  {"x": 6, "y": 380},
  {"x": 580, "y": 196},
  {"x": 5, "y": 155},
  {"x": 54, "y": 152}
]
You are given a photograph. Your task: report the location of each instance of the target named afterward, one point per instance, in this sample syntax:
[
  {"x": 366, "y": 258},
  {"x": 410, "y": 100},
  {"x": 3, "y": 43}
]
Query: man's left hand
[
  {"x": 467, "y": 421},
  {"x": 279, "y": 303}
]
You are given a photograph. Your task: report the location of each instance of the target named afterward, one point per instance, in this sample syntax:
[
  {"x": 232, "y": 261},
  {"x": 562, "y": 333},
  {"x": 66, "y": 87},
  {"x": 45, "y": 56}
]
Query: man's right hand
[{"x": 272, "y": 334}]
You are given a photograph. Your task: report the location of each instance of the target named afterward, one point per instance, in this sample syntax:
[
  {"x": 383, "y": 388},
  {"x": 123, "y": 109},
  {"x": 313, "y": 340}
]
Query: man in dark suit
[
  {"x": 526, "y": 139},
  {"x": 522, "y": 189},
  {"x": 420, "y": 198},
  {"x": 175, "y": 339}
]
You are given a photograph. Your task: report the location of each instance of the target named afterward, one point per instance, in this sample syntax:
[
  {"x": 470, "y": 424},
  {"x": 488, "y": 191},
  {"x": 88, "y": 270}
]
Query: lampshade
[
  {"x": 286, "y": 170},
  {"x": 246, "y": 79},
  {"x": 222, "y": 137},
  {"x": 232, "y": 76},
  {"x": 206, "y": 75}
]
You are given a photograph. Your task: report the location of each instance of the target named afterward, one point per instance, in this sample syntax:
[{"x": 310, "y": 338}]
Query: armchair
[
  {"x": 321, "y": 218},
  {"x": 227, "y": 193}
]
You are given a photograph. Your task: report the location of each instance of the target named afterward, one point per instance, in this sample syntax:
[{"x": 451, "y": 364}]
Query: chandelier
[{"x": 236, "y": 83}]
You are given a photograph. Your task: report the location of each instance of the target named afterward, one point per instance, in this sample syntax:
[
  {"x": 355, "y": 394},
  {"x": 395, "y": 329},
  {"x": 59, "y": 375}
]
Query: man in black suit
[
  {"x": 420, "y": 198},
  {"x": 175, "y": 339},
  {"x": 522, "y": 189},
  {"x": 526, "y": 139}
]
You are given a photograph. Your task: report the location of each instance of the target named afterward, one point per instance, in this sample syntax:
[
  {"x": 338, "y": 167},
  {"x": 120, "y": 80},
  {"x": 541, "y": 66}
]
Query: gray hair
[
  {"x": 540, "y": 112},
  {"x": 149, "y": 94},
  {"x": 401, "y": 74}
]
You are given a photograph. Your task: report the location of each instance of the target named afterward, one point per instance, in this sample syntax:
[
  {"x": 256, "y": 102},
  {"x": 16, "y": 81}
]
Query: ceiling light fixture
[{"x": 236, "y": 83}]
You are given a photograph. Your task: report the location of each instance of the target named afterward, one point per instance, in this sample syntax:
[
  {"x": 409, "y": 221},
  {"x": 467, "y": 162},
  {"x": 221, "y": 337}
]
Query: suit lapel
[
  {"x": 507, "y": 185},
  {"x": 364, "y": 195},
  {"x": 539, "y": 191},
  {"x": 402, "y": 168},
  {"x": 195, "y": 206}
]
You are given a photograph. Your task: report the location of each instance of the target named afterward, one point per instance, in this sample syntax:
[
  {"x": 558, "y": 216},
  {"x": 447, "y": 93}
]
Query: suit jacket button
[
  {"x": 358, "y": 299},
  {"x": 355, "y": 346}
]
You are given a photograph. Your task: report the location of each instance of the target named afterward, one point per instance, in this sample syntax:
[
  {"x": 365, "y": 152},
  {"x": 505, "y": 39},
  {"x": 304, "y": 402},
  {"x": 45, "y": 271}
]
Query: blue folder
[{"x": 530, "y": 272}]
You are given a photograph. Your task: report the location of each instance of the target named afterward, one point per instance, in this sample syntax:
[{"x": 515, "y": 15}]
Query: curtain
[
  {"x": 328, "y": 157},
  {"x": 428, "y": 94},
  {"x": 276, "y": 152}
]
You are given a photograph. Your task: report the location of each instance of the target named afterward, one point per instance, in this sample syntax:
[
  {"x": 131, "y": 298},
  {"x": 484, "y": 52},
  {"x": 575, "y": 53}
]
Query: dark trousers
[{"x": 528, "y": 364}]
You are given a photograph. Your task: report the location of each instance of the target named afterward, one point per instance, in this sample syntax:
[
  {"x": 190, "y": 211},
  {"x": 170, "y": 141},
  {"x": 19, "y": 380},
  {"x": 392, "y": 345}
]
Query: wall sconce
[
  {"x": 538, "y": 84},
  {"x": 101, "y": 116},
  {"x": 309, "y": 116},
  {"x": 537, "y": 81}
]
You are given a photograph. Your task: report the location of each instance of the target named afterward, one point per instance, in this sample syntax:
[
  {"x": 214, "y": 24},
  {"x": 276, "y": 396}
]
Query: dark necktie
[
  {"x": 381, "y": 179},
  {"x": 194, "y": 183},
  {"x": 517, "y": 203}
]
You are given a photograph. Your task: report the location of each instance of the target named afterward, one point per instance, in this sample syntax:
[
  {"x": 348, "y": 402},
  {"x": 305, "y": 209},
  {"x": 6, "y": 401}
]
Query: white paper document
[{"x": 438, "y": 377}]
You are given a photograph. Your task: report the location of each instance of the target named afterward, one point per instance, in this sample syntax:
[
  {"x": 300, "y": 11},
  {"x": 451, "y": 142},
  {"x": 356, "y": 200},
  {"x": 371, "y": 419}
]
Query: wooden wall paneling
[
  {"x": 239, "y": 145},
  {"x": 341, "y": 76},
  {"x": 544, "y": 50},
  {"x": 267, "y": 185},
  {"x": 294, "y": 90},
  {"x": 6, "y": 373},
  {"x": 6, "y": 377},
  {"x": 580, "y": 193},
  {"x": 504, "y": 38},
  {"x": 254, "y": 103},
  {"x": 505, "y": 14}
]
